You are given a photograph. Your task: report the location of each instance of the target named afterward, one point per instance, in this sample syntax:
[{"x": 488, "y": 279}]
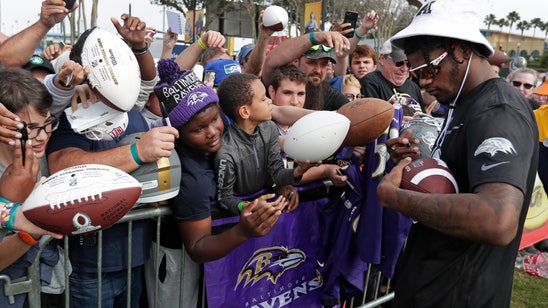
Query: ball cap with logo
[
  {"x": 37, "y": 61},
  {"x": 445, "y": 18},
  {"x": 223, "y": 68},
  {"x": 182, "y": 93}
]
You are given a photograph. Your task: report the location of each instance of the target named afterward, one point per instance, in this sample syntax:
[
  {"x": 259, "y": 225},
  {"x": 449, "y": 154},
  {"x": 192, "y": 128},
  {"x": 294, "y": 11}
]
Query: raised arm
[
  {"x": 17, "y": 49},
  {"x": 291, "y": 49}
]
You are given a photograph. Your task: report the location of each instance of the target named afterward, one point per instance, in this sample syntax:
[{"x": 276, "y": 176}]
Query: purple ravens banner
[{"x": 280, "y": 269}]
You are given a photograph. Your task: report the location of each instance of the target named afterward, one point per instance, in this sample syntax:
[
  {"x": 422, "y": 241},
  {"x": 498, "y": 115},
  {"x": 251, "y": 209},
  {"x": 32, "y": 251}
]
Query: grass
[{"x": 529, "y": 291}]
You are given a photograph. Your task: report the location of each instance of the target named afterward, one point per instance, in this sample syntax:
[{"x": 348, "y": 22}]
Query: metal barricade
[{"x": 31, "y": 283}]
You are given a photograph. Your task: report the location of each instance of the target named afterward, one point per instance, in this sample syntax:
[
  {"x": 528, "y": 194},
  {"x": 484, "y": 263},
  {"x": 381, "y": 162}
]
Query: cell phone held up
[
  {"x": 351, "y": 18},
  {"x": 69, "y": 4}
]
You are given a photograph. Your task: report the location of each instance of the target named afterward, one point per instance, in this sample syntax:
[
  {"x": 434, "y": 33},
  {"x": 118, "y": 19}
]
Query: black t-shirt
[
  {"x": 375, "y": 85},
  {"x": 492, "y": 138},
  {"x": 334, "y": 99}
]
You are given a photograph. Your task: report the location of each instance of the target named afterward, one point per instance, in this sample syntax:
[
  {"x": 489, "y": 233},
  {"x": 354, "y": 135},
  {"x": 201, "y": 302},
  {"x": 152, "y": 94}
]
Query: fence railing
[{"x": 374, "y": 284}]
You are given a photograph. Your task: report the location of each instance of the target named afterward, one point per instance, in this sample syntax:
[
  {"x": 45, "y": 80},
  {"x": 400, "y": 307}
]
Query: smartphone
[
  {"x": 350, "y": 17},
  {"x": 69, "y": 4},
  {"x": 209, "y": 78}
]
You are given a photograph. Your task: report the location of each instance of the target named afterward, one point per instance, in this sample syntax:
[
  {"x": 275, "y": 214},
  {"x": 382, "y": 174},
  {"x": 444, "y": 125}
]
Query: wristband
[
  {"x": 5, "y": 215},
  {"x": 133, "y": 150},
  {"x": 240, "y": 206},
  {"x": 27, "y": 238},
  {"x": 361, "y": 37},
  {"x": 139, "y": 52},
  {"x": 312, "y": 40},
  {"x": 13, "y": 211},
  {"x": 202, "y": 44}
]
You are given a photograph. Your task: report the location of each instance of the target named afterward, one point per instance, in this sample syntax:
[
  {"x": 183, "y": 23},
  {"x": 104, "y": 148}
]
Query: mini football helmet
[
  {"x": 98, "y": 121},
  {"x": 160, "y": 179},
  {"x": 426, "y": 128}
]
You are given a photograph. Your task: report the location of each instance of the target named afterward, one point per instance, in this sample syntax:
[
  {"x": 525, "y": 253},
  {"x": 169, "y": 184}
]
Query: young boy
[{"x": 251, "y": 150}]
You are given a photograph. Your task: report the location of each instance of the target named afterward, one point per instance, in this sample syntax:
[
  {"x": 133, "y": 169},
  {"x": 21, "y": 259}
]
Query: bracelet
[
  {"x": 361, "y": 37},
  {"x": 27, "y": 238},
  {"x": 133, "y": 150},
  {"x": 240, "y": 206},
  {"x": 5, "y": 215},
  {"x": 202, "y": 44},
  {"x": 13, "y": 212},
  {"x": 139, "y": 52},
  {"x": 312, "y": 40}
]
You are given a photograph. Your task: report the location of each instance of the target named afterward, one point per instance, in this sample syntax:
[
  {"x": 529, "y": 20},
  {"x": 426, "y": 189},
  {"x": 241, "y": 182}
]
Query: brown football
[{"x": 369, "y": 118}]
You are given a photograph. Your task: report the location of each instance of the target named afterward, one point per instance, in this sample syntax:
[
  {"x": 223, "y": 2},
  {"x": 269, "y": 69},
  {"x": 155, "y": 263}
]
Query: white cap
[{"x": 457, "y": 19}]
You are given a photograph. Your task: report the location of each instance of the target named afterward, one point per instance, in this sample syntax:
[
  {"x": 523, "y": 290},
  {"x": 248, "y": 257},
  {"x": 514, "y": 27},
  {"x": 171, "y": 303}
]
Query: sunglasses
[
  {"x": 400, "y": 63},
  {"x": 325, "y": 48},
  {"x": 428, "y": 70},
  {"x": 352, "y": 97},
  {"x": 518, "y": 84}
]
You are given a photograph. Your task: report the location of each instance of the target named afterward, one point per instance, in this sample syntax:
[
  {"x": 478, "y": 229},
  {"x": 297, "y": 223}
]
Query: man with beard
[{"x": 312, "y": 53}]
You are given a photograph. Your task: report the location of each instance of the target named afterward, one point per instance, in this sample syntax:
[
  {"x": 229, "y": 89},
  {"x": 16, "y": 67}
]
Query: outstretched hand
[
  {"x": 133, "y": 31},
  {"x": 260, "y": 216},
  {"x": 18, "y": 175}
]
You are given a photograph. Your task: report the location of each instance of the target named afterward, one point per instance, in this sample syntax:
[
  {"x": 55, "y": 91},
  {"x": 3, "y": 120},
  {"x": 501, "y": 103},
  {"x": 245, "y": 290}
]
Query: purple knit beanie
[{"x": 182, "y": 92}]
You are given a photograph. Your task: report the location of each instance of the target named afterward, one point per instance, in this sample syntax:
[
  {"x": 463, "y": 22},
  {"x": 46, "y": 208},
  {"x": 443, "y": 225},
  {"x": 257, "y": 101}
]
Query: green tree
[
  {"x": 512, "y": 17},
  {"x": 490, "y": 20},
  {"x": 502, "y": 23},
  {"x": 522, "y": 26}
]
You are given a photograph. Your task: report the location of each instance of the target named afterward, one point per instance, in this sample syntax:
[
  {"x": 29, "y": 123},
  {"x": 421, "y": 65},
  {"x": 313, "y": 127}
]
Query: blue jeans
[{"x": 83, "y": 289}]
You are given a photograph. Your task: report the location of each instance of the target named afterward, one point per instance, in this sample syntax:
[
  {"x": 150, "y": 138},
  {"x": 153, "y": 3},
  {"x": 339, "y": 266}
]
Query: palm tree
[
  {"x": 501, "y": 23},
  {"x": 544, "y": 27},
  {"x": 490, "y": 20},
  {"x": 522, "y": 26},
  {"x": 535, "y": 23},
  {"x": 511, "y": 17}
]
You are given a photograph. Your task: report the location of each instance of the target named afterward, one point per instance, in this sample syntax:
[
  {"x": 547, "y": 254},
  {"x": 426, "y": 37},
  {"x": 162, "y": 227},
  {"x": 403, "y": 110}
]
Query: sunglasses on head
[
  {"x": 428, "y": 70},
  {"x": 325, "y": 48},
  {"x": 518, "y": 84}
]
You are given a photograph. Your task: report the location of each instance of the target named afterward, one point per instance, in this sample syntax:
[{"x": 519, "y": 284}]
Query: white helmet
[
  {"x": 114, "y": 70},
  {"x": 98, "y": 121}
]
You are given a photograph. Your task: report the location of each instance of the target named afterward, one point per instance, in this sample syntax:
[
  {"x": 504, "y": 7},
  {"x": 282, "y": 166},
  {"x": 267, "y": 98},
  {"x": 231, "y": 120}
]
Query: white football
[
  {"x": 82, "y": 199},
  {"x": 114, "y": 70},
  {"x": 275, "y": 18},
  {"x": 316, "y": 136}
]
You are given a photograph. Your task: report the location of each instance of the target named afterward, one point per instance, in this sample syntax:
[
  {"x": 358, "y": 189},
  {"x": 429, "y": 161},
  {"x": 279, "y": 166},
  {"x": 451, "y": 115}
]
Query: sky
[{"x": 17, "y": 15}]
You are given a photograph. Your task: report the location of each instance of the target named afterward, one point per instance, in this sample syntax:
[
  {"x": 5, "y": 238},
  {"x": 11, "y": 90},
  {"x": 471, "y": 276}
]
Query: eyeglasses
[
  {"x": 51, "y": 124},
  {"x": 428, "y": 70},
  {"x": 352, "y": 97},
  {"x": 325, "y": 48},
  {"x": 400, "y": 63},
  {"x": 518, "y": 84}
]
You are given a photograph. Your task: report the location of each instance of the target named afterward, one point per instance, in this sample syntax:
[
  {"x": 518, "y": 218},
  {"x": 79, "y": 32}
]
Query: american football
[
  {"x": 82, "y": 199},
  {"x": 429, "y": 175},
  {"x": 316, "y": 136},
  {"x": 275, "y": 18},
  {"x": 369, "y": 118}
]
